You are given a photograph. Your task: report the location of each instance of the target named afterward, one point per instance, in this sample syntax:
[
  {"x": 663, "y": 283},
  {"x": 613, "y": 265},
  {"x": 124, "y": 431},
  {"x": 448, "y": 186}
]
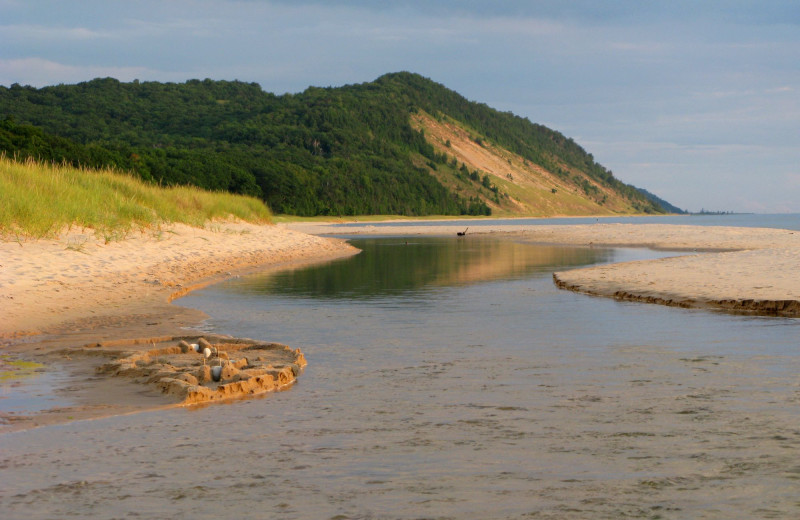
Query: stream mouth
[{"x": 449, "y": 378}]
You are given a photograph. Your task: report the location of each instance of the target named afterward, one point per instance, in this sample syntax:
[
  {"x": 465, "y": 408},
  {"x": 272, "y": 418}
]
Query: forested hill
[{"x": 402, "y": 144}]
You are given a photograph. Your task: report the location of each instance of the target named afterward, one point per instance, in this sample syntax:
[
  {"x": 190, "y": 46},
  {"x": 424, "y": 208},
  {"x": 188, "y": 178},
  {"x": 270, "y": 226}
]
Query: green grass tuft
[{"x": 42, "y": 200}]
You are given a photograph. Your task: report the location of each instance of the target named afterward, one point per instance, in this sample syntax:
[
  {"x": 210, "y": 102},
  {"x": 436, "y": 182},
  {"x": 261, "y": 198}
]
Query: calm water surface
[
  {"x": 450, "y": 379},
  {"x": 779, "y": 221}
]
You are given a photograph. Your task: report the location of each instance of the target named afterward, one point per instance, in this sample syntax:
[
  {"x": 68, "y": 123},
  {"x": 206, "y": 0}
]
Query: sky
[{"x": 696, "y": 101}]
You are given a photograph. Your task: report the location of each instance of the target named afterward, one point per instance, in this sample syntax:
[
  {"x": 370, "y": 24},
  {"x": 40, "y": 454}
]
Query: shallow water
[
  {"x": 449, "y": 378},
  {"x": 32, "y": 392}
]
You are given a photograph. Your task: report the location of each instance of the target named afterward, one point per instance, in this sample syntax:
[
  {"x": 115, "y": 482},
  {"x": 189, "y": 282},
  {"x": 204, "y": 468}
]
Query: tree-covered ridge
[
  {"x": 671, "y": 208},
  {"x": 325, "y": 151}
]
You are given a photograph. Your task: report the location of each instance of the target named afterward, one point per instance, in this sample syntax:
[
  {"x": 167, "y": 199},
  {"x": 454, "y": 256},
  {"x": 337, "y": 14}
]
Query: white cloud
[
  {"x": 780, "y": 90},
  {"x": 39, "y": 72}
]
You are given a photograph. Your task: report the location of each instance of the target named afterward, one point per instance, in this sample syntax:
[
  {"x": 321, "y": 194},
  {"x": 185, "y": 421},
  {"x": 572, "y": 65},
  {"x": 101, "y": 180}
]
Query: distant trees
[{"x": 325, "y": 151}]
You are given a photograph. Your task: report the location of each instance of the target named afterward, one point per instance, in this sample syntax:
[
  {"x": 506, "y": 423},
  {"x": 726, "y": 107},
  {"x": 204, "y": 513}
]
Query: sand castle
[{"x": 196, "y": 370}]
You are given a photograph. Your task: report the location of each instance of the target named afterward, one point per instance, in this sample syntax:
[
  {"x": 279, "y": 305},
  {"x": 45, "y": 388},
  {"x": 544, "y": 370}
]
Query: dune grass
[{"x": 42, "y": 200}]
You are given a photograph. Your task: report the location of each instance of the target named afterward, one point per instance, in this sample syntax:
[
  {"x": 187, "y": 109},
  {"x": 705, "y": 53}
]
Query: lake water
[
  {"x": 449, "y": 378},
  {"x": 777, "y": 220}
]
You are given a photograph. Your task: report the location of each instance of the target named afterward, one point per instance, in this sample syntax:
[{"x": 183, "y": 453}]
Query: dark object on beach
[{"x": 462, "y": 233}]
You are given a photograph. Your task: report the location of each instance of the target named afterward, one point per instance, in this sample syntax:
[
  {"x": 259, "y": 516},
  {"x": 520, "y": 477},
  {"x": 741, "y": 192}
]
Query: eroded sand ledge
[
  {"x": 752, "y": 270},
  {"x": 234, "y": 367},
  {"x": 761, "y": 282},
  {"x": 747, "y": 270}
]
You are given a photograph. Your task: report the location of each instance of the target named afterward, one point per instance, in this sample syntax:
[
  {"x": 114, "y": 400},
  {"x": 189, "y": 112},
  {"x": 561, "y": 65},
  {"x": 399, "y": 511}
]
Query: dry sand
[
  {"x": 78, "y": 282},
  {"x": 751, "y": 270}
]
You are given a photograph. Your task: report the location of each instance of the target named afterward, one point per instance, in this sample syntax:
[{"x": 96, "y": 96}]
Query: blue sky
[{"x": 696, "y": 101}]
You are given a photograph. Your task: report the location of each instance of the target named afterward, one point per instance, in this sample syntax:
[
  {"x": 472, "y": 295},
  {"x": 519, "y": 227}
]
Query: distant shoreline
[{"x": 790, "y": 221}]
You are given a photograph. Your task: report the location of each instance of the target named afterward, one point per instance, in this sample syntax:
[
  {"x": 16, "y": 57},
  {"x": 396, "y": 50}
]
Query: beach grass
[{"x": 42, "y": 200}]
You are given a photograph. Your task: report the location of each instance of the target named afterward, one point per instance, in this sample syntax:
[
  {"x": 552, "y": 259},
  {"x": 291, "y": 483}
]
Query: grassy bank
[{"x": 41, "y": 200}]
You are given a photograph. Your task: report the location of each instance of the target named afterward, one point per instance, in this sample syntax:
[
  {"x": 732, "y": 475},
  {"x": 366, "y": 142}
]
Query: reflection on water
[
  {"x": 474, "y": 390},
  {"x": 396, "y": 266}
]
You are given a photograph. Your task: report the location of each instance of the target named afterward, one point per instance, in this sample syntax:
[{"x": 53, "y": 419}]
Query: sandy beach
[
  {"x": 479, "y": 388},
  {"x": 729, "y": 268},
  {"x": 77, "y": 290},
  {"x": 78, "y": 282}
]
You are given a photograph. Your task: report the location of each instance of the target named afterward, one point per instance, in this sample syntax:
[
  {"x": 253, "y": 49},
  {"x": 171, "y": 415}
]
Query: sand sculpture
[{"x": 196, "y": 370}]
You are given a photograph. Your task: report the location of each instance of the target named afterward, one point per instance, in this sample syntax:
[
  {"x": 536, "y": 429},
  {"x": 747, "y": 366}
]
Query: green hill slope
[{"x": 358, "y": 149}]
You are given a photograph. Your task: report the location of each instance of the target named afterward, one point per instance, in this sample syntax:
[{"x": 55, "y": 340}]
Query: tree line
[{"x": 326, "y": 151}]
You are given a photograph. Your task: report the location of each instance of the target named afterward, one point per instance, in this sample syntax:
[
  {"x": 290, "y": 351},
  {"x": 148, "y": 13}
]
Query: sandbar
[{"x": 739, "y": 269}]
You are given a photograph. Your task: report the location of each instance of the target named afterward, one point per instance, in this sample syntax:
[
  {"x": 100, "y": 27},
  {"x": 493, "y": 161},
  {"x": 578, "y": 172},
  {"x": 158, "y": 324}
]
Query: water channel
[{"x": 449, "y": 378}]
